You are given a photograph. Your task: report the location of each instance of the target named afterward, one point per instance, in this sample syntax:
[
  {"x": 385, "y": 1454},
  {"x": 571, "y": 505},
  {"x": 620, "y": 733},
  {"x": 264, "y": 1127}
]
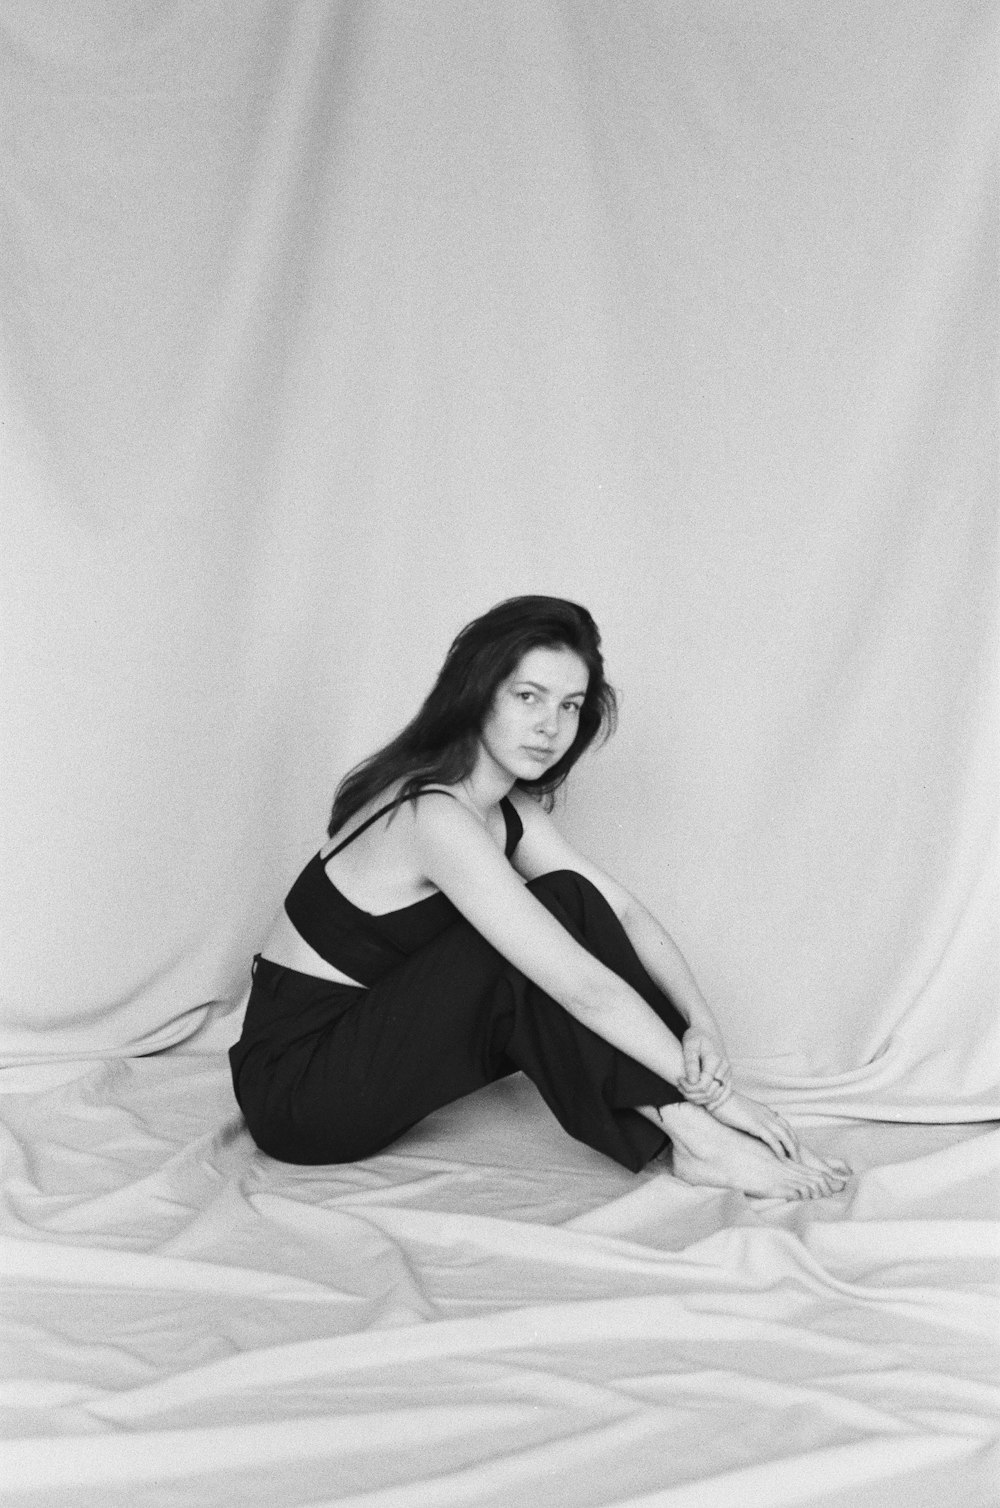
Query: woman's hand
[
  {"x": 708, "y": 1078},
  {"x": 759, "y": 1120}
]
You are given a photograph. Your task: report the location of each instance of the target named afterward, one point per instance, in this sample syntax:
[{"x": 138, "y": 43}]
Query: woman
[{"x": 451, "y": 936}]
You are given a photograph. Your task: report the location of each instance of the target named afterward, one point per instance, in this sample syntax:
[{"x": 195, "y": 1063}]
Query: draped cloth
[
  {"x": 327, "y": 325},
  {"x": 487, "y": 1313},
  {"x": 323, "y": 326}
]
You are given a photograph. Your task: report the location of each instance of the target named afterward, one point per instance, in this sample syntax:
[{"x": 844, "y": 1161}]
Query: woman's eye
[{"x": 526, "y": 696}]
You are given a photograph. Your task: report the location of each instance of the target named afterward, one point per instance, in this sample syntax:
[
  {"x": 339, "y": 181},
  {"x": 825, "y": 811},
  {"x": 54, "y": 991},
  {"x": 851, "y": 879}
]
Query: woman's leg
[
  {"x": 707, "y": 1153},
  {"x": 703, "y": 1151},
  {"x": 456, "y": 1016}
]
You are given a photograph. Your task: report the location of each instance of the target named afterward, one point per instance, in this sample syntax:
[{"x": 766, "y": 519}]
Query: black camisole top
[{"x": 364, "y": 944}]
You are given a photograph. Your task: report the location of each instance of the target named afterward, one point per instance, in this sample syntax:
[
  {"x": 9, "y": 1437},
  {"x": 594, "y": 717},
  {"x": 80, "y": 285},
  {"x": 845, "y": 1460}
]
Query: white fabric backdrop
[{"x": 324, "y": 326}]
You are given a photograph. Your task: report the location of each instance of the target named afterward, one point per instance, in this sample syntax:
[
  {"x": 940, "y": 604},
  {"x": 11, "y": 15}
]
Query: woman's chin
[
  {"x": 533, "y": 769},
  {"x": 525, "y": 767}
]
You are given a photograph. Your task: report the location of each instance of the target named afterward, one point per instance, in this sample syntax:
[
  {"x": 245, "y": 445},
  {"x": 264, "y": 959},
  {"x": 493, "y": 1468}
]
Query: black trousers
[{"x": 328, "y": 1073}]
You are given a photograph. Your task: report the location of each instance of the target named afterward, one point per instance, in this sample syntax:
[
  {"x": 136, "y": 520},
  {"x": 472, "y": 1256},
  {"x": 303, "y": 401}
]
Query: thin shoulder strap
[
  {"x": 381, "y": 813},
  {"x": 513, "y": 824}
]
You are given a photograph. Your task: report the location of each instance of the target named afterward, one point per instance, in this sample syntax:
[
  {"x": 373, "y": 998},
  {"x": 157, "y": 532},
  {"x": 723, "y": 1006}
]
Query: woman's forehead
[{"x": 556, "y": 667}]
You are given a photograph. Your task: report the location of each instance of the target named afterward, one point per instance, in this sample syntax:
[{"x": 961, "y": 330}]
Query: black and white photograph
[{"x": 499, "y": 754}]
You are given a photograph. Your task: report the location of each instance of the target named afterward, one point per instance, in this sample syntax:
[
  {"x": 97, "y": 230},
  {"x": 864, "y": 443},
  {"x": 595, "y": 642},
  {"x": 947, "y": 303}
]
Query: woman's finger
[
  {"x": 693, "y": 1065},
  {"x": 711, "y": 1097},
  {"x": 787, "y": 1135},
  {"x": 770, "y": 1141}
]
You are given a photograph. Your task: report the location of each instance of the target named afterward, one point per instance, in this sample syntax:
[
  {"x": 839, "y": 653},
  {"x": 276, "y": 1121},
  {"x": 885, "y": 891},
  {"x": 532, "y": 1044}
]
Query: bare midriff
[{"x": 287, "y": 947}]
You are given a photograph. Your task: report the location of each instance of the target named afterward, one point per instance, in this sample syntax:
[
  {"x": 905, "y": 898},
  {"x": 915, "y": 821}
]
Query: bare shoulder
[
  {"x": 441, "y": 821},
  {"x": 439, "y": 810},
  {"x": 531, "y": 812},
  {"x": 544, "y": 848}
]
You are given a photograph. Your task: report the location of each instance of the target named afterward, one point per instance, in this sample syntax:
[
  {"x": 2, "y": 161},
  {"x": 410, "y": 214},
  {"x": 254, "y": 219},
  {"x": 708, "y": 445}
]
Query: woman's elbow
[{"x": 594, "y": 994}]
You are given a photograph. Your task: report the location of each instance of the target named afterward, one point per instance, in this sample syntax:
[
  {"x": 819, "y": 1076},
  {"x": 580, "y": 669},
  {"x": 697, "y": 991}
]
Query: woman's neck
[{"x": 487, "y": 785}]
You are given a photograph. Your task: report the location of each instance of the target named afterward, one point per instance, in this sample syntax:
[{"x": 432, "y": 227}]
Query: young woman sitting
[{"x": 450, "y": 935}]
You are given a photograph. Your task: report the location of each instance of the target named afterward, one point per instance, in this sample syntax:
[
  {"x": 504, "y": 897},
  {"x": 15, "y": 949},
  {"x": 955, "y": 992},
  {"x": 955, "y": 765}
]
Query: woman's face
[{"x": 535, "y": 713}]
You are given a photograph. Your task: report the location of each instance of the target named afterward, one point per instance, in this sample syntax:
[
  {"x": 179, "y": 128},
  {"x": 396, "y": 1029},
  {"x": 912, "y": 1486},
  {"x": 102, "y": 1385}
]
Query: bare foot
[
  {"x": 837, "y": 1165},
  {"x": 707, "y": 1153}
]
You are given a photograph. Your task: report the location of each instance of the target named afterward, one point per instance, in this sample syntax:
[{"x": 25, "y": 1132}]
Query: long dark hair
[{"x": 440, "y": 745}]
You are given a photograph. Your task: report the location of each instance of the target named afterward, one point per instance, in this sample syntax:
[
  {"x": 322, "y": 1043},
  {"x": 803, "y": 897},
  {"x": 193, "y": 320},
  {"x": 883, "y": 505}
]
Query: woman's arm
[
  {"x": 667, "y": 966},
  {"x": 542, "y": 849},
  {"x": 458, "y": 856},
  {"x": 707, "y": 1077}
]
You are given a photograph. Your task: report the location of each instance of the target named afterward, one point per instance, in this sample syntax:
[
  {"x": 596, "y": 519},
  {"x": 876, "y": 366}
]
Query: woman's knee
[
  {"x": 317, "y": 1151},
  {"x": 558, "y": 882},
  {"x": 567, "y": 890},
  {"x": 308, "y": 1138}
]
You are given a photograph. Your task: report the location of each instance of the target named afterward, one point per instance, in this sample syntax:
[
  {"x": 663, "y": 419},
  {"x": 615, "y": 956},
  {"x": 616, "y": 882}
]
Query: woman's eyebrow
[{"x": 537, "y": 686}]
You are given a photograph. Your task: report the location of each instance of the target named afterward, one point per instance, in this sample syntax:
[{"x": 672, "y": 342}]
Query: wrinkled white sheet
[{"x": 487, "y": 1314}]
